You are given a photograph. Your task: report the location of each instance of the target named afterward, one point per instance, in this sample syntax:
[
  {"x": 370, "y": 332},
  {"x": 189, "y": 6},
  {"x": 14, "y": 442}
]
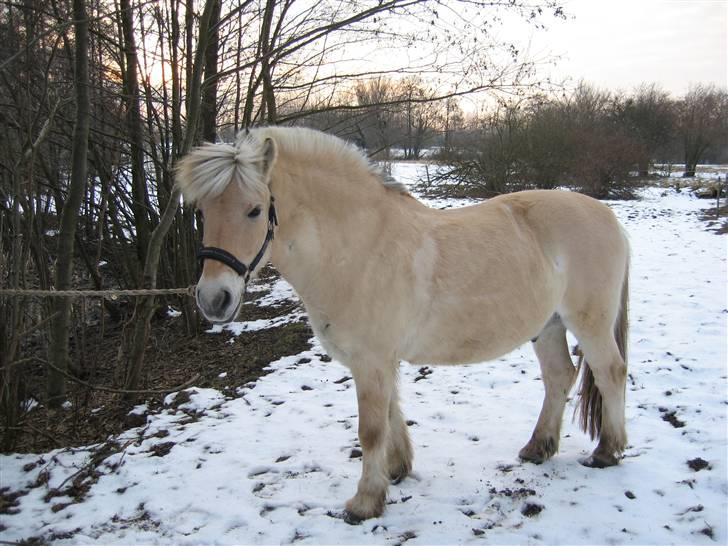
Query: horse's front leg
[
  {"x": 375, "y": 386},
  {"x": 399, "y": 447}
]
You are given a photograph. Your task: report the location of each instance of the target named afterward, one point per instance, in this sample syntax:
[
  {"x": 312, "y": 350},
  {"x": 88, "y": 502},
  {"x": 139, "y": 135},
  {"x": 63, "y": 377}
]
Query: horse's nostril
[
  {"x": 220, "y": 301},
  {"x": 226, "y": 298},
  {"x": 216, "y": 301}
]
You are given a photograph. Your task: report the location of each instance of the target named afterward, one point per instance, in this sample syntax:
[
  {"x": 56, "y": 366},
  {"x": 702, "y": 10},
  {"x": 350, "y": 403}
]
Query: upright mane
[
  {"x": 302, "y": 141},
  {"x": 207, "y": 170}
]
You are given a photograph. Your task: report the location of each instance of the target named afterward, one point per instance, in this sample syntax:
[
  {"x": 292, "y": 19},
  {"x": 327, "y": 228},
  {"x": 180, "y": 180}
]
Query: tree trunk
[
  {"x": 266, "y": 69},
  {"x": 58, "y": 347},
  {"x": 643, "y": 168},
  {"x": 691, "y": 161},
  {"x": 145, "y": 307},
  {"x": 209, "y": 86},
  {"x": 136, "y": 136}
]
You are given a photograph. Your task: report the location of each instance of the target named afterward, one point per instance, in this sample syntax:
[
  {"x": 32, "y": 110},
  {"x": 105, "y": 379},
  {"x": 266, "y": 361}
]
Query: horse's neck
[{"x": 327, "y": 226}]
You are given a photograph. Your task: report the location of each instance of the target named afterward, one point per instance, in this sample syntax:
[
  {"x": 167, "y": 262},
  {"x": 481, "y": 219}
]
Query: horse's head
[{"x": 230, "y": 187}]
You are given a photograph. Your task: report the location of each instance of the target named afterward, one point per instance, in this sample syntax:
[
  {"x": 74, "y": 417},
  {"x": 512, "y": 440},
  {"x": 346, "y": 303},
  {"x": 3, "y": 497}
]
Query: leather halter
[{"x": 221, "y": 255}]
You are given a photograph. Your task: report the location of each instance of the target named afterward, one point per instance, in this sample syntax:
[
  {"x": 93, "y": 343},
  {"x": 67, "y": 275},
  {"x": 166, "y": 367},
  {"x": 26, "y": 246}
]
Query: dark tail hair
[{"x": 590, "y": 404}]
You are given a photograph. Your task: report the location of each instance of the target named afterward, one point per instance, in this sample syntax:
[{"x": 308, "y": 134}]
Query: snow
[
  {"x": 140, "y": 409},
  {"x": 275, "y": 465},
  {"x": 29, "y": 404},
  {"x": 280, "y": 293},
  {"x": 714, "y": 173}
]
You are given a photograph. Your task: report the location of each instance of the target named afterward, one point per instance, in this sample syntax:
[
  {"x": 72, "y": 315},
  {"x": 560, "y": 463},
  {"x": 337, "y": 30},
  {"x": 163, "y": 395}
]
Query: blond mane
[
  {"x": 305, "y": 142},
  {"x": 207, "y": 170}
]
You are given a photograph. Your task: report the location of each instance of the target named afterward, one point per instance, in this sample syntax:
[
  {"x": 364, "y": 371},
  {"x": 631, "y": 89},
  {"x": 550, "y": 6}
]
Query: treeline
[
  {"x": 592, "y": 140},
  {"x": 394, "y": 118}
]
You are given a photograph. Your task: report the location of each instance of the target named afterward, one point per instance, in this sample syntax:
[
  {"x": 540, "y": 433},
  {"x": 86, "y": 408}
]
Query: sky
[{"x": 618, "y": 44}]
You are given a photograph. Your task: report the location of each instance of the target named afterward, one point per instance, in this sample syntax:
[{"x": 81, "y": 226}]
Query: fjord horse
[{"x": 386, "y": 279}]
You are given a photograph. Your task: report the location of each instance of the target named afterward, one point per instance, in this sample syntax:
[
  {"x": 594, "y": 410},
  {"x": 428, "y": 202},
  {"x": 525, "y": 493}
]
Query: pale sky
[{"x": 618, "y": 44}]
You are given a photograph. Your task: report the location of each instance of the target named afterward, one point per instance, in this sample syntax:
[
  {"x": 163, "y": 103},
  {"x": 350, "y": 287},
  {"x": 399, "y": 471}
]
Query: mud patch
[
  {"x": 699, "y": 464},
  {"x": 531, "y": 509},
  {"x": 672, "y": 418},
  {"x": 173, "y": 356}
]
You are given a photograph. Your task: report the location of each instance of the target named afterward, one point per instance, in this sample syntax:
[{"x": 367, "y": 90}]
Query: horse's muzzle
[{"x": 219, "y": 303}]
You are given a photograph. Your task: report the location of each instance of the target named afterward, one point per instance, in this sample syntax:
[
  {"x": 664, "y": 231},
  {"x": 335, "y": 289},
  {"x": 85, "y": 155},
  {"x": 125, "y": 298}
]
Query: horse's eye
[{"x": 254, "y": 213}]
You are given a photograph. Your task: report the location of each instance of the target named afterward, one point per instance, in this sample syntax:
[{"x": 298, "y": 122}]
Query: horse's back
[
  {"x": 525, "y": 228},
  {"x": 561, "y": 217},
  {"x": 505, "y": 266}
]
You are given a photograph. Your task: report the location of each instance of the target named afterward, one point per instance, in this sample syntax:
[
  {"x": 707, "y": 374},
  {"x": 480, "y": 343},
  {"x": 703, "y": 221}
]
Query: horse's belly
[
  {"x": 473, "y": 337},
  {"x": 459, "y": 351}
]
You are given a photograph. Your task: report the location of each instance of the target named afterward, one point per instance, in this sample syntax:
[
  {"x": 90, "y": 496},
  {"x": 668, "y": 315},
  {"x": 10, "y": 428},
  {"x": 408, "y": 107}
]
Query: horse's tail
[{"x": 590, "y": 404}]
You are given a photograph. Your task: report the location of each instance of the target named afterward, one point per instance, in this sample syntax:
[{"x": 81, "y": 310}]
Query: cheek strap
[{"x": 222, "y": 255}]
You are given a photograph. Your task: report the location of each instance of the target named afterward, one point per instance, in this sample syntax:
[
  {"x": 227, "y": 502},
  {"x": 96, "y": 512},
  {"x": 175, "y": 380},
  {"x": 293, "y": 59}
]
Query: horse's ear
[{"x": 270, "y": 153}]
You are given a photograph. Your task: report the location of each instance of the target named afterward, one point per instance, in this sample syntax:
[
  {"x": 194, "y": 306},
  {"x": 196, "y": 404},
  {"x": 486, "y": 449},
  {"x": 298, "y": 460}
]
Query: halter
[{"x": 214, "y": 253}]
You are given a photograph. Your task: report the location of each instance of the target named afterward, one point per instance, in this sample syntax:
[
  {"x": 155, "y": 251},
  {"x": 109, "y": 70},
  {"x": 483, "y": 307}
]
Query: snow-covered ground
[{"x": 276, "y": 464}]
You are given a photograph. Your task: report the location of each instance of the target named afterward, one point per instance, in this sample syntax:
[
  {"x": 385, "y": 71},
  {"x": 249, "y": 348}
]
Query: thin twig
[
  {"x": 23, "y": 428},
  {"x": 36, "y": 326},
  {"x": 120, "y": 391},
  {"x": 92, "y": 463}
]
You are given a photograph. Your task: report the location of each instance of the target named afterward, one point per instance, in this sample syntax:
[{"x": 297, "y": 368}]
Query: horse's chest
[{"x": 330, "y": 336}]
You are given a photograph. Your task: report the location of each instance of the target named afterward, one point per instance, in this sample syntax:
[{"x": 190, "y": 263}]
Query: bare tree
[
  {"x": 145, "y": 307},
  {"x": 130, "y": 69},
  {"x": 453, "y": 122},
  {"x": 702, "y": 117},
  {"x": 649, "y": 115},
  {"x": 209, "y": 91},
  {"x": 58, "y": 349},
  {"x": 375, "y": 127},
  {"x": 418, "y": 116}
]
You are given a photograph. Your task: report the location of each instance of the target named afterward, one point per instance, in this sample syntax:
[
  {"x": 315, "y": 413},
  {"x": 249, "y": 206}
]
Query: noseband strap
[
  {"x": 221, "y": 255},
  {"x": 214, "y": 253}
]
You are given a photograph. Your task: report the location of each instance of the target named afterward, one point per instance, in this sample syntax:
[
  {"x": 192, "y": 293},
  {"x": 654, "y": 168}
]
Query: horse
[{"x": 385, "y": 279}]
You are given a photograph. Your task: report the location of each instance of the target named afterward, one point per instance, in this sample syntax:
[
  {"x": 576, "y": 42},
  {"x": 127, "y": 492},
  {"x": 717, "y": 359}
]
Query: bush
[{"x": 577, "y": 142}]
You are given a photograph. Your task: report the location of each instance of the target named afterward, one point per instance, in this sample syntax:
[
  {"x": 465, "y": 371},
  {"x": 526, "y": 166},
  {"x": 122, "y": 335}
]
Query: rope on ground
[{"x": 111, "y": 294}]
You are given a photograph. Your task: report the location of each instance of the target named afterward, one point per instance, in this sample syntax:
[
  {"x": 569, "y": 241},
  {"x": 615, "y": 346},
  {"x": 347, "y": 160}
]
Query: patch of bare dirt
[
  {"x": 716, "y": 219},
  {"x": 172, "y": 358}
]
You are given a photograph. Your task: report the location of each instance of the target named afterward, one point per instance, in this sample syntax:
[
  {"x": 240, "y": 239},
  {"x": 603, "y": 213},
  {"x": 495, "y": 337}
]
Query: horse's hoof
[
  {"x": 398, "y": 475},
  {"x": 360, "y": 507},
  {"x": 530, "y": 458},
  {"x": 537, "y": 452},
  {"x": 600, "y": 461},
  {"x": 352, "y": 519}
]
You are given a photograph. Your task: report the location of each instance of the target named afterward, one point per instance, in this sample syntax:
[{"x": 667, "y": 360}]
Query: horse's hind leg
[
  {"x": 558, "y": 375},
  {"x": 605, "y": 403}
]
